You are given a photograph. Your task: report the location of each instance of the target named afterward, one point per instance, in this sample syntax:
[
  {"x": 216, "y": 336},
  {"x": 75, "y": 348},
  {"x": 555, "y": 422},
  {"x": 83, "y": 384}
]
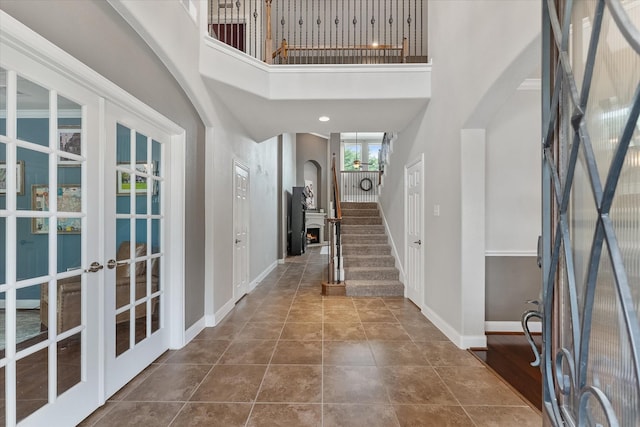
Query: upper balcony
[{"x": 278, "y": 65}]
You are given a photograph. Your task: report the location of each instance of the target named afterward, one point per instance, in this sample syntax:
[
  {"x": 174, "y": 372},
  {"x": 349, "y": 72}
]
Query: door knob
[
  {"x": 94, "y": 267},
  {"x": 418, "y": 242},
  {"x": 238, "y": 240},
  {"x": 112, "y": 263}
]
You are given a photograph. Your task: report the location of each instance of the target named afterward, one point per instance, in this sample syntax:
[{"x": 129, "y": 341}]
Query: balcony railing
[{"x": 323, "y": 31}]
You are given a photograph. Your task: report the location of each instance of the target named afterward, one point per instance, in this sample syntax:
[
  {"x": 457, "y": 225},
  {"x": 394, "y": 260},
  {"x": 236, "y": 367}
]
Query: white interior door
[
  {"x": 49, "y": 236},
  {"x": 240, "y": 230},
  {"x": 414, "y": 226},
  {"x": 135, "y": 171}
]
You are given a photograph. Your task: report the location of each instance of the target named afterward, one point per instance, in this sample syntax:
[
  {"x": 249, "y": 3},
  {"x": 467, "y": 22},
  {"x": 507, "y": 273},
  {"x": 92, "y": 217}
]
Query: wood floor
[{"x": 510, "y": 357}]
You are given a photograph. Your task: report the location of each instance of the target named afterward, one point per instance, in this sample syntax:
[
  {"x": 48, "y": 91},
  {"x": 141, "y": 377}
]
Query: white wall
[
  {"x": 513, "y": 176},
  {"x": 471, "y": 44}
]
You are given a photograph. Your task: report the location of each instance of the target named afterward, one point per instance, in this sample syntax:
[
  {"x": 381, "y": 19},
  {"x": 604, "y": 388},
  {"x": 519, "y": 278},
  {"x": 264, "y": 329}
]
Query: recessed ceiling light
[{"x": 324, "y": 118}]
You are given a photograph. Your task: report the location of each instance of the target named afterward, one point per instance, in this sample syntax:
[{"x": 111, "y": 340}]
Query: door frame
[
  {"x": 420, "y": 160},
  {"x": 31, "y": 45},
  {"x": 239, "y": 164}
]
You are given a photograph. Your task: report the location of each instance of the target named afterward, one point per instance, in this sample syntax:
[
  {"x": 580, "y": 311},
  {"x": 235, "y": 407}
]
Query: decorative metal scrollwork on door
[{"x": 591, "y": 212}]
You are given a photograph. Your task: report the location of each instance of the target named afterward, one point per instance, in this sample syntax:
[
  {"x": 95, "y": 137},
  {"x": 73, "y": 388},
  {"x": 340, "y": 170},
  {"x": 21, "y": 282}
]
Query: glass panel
[
  {"x": 155, "y": 199},
  {"x": 123, "y": 144},
  {"x": 69, "y": 308},
  {"x": 3, "y": 250},
  {"x": 3, "y": 173},
  {"x": 141, "y": 321},
  {"x": 141, "y": 233},
  {"x": 122, "y": 332},
  {"x": 141, "y": 148},
  {"x": 3, "y": 111},
  {"x": 2, "y": 397},
  {"x": 29, "y": 320},
  {"x": 155, "y": 236},
  {"x": 32, "y": 248},
  {"x": 69, "y": 362},
  {"x": 123, "y": 204},
  {"x": 352, "y": 151},
  {"x": 33, "y": 112},
  {"x": 141, "y": 196},
  {"x": 32, "y": 379},
  {"x": 155, "y": 314},
  {"x": 141, "y": 279},
  {"x": 3, "y": 322},
  {"x": 123, "y": 237},
  {"x": 36, "y": 175},
  {"x": 69, "y": 127},
  {"x": 155, "y": 274},
  {"x": 374, "y": 150},
  {"x": 156, "y": 152}
]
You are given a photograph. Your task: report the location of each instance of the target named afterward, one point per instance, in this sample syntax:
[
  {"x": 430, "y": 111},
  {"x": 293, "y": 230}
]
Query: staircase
[{"x": 369, "y": 267}]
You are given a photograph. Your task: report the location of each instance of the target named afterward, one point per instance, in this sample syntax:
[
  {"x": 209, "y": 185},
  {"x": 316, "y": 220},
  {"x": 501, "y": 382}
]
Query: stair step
[
  {"x": 364, "y": 238},
  {"x": 374, "y": 288},
  {"x": 362, "y": 220},
  {"x": 360, "y": 212},
  {"x": 371, "y": 273},
  {"x": 362, "y": 229},
  {"x": 368, "y": 249},
  {"x": 359, "y": 205},
  {"x": 369, "y": 261}
]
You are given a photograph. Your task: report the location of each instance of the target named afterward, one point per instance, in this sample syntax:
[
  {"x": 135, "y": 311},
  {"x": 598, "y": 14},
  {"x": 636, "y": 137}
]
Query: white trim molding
[
  {"x": 495, "y": 326},
  {"x": 394, "y": 250},
  {"x": 194, "y": 330},
  {"x": 461, "y": 341},
  {"x": 531, "y": 253},
  {"x": 255, "y": 282}
]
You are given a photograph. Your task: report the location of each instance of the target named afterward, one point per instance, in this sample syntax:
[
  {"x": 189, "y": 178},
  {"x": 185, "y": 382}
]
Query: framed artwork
[
  {"x": 19, "y": 178},
  {"x": 70, "y": 141},
  {"x": 69, "y": 200},
  {"x": 125, "y": 182}
]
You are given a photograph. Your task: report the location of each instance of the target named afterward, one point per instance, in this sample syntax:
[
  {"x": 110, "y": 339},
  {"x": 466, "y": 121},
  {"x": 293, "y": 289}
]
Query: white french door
[
  {"x": 136, "y": 333},
  {"x": 414, "y": 200},
  {"x": 240, "y": 230},
  {"x": 50, "y": 336}
]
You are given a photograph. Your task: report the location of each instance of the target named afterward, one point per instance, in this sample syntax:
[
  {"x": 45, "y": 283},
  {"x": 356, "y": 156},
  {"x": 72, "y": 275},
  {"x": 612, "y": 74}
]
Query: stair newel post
[
  {"x": 338, "y": 252},
  {"x": 268, "y": 45}
]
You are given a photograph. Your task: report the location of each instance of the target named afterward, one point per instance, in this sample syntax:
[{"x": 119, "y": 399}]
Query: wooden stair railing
[{"x": 334, "y": 285}]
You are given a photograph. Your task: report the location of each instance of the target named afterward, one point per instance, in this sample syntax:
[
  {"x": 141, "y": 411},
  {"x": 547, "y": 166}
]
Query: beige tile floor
[{"x": 286, "y": 356}]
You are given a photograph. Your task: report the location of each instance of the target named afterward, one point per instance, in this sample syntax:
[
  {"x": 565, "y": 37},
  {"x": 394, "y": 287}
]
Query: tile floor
[{"x": 286, "y": 356}]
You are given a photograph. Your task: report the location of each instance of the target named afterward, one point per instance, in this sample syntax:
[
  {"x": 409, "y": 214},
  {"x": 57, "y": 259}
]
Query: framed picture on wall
[
  {"x": 19, "y": 178},
  {"x": 125, "y": 182},
  {"x": 69, "y": 141},
  {"x": 69, "y": 200}
]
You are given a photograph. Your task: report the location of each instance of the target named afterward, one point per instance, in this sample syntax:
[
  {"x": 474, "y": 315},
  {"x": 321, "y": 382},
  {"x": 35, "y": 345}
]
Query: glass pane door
[
  {"x": 48, "y": 339},
  {"x": 135, "y": 285}
]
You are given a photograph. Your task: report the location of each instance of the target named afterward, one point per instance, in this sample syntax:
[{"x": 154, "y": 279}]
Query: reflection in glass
[
  {"x": 155, "y": 314},
  {"x": 122, "y": 332},
  {"x": 69, "y": 136},
  {"x": 2, "y": 395},
  {"x": 69, "y": 362},
  {"x": 141, "y": 280},
  {"x": 32, "y": 249},
  {"x": 141, "y": 231},
  {"x": 141, "y": 322},
  {"x": 3, "y": 252},
  {"x": 123, "y": 144},
  {"x": 33, "y": 112},
  {"x": 32, "y": 379},
  {"x": 155, "y": 236},
  {"x": 36, "y": 173},
  {"x": 69, "y": 307},
  {"x": 3, "y": 105},
  {"x": 156, "y": 197},
  {"x": 3, "y": 172},
  {"x": 28, "y": 320},
  {"x": 3, "y": 322},
  {"x": 141, "y": 148},
  {"x": 123, "y": 237},
  {"x": 141, "y": 199}
]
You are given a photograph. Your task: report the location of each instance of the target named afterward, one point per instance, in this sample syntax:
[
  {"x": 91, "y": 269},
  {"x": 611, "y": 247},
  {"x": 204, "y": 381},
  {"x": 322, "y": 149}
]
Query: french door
[
  {"x": 591, "y": 212},
  {"x": 134, "y": 247},
  {"x": 50, "y": 340}
]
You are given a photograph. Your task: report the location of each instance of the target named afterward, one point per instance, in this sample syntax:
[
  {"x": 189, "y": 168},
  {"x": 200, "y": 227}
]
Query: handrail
[
  {"x": 285, "y": 48},
  {"x": 333, "y": 222},
  {"x": 336, "y": 188}
]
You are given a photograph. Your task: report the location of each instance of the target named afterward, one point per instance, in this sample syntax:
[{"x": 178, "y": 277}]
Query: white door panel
[
  {"x": 240, "y": 230},
  {"x": 414, "y": 239}
]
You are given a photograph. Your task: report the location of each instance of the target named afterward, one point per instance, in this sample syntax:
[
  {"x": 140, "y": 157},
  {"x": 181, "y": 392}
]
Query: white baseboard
[
  {"x": 23, "y": 304},
  {"x": 194, "y": 330},
  {"x": 394, "y": 250},
  {"x": 281, "y": 261},
  {"x": 462, "y": 341},
  {"x": 262, "y": 275},
  {"x": 224, "y": 310},
  {"x": 493, "y": 326}
]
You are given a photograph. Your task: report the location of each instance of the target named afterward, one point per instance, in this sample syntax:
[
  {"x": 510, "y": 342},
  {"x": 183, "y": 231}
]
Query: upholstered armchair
[{"x": 68, "y": 307}]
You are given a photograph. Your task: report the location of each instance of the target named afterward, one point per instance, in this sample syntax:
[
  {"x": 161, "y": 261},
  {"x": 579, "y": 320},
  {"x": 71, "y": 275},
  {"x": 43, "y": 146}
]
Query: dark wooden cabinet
[{"x": 298, "y": 235}]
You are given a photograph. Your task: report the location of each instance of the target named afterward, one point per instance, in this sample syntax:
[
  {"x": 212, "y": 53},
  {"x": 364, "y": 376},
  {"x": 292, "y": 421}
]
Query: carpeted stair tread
[
  {"x": 360, "y": 213},
  {"x": 374, "y": 288},
  {"x": 369, "y": 261},
  {"x": 371, "y": 273},
  {"x": 359, "y": 205},
  {"x": 362, "y": 229}
]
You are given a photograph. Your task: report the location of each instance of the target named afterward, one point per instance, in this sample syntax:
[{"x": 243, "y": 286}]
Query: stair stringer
[{"x": 394, "y": 251}]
